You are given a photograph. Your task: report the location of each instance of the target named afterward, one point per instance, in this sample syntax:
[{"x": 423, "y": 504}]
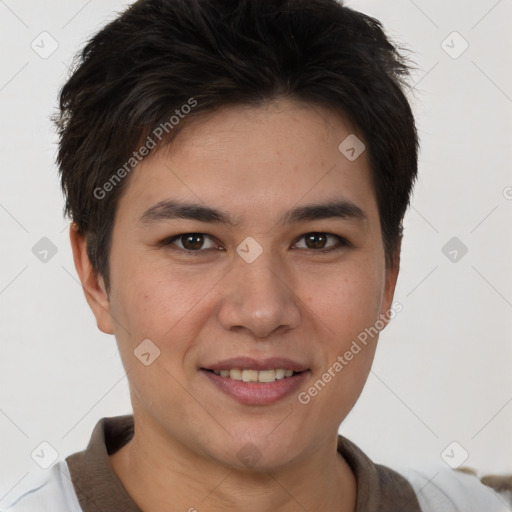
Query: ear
[
  {"x": 389, "y": 288},
  {"x": 92, "y": 283}
]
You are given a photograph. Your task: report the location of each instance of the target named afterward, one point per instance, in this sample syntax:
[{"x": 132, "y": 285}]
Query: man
[{"x": 236, "y": 173}]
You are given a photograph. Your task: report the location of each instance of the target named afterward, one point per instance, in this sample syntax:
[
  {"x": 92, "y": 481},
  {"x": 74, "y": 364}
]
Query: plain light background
[{"x": 443, "y": 367}]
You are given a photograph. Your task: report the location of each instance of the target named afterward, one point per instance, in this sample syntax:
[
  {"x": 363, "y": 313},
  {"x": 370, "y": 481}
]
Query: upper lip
[{"x": 249, "y": 363}]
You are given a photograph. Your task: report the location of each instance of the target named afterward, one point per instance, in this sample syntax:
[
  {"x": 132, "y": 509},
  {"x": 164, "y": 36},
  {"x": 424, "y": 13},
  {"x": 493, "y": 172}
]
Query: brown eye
[
  {"x": 192, "y": 242},
  {"x": 321, "y": 242},
  {"x": 315, "y": 240}
]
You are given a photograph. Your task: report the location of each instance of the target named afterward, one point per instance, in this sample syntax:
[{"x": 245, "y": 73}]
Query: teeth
[
  {"x": 250, "y": 375},
  {"x": 266, "y": 375},
  {"x": 235, "y": 374},
  {"x": 280, "y": 374},
  {"x": 255, "y": 375}
]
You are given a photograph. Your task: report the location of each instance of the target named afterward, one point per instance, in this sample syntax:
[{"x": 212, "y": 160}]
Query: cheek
[
  {"x": 143, "y": 294},
  {"x": 161, "y": 303},
  {"x": 160, "y": 306},
  {"x": 346, "y": 302},
  {"x": 346, "y": 311}
]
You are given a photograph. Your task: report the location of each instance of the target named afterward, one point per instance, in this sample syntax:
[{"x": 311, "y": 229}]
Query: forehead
[{"x": 245, "y": 158}]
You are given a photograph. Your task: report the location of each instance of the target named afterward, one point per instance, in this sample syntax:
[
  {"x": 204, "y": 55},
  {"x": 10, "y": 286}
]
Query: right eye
[{"x": 191, "y": 242}]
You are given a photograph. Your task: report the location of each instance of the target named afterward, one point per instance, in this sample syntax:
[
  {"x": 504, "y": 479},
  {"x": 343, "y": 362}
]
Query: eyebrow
[{"x": 172, "y": 209}]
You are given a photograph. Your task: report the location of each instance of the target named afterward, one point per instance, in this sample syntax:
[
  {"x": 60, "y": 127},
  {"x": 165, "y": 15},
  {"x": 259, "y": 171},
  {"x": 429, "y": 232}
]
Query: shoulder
[
  {"x": 440, "y": 489},
  {"x": 51, "y": 491}
]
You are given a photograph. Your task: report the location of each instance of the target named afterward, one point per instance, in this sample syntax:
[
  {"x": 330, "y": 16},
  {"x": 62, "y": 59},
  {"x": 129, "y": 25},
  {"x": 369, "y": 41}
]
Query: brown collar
[{"x": 379, "y": 489}]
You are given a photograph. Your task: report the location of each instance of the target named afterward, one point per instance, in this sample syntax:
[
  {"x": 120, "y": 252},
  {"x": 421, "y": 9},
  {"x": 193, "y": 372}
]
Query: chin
[{"x": 256, "y": 453}]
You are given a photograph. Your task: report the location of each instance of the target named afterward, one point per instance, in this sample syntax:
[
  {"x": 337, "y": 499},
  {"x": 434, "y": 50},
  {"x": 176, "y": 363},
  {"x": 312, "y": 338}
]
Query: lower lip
[{"x": 257, "y": 393}]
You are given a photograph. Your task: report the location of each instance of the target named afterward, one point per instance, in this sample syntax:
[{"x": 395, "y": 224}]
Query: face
[{"x": 249, "y": 249}]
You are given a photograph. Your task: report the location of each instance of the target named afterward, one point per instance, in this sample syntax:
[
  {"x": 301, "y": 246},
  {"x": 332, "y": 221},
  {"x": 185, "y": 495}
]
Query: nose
[{"x": 258, "y": 298}]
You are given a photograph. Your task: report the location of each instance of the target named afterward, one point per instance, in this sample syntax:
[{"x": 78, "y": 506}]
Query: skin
[{"x": 255, "y": 163}]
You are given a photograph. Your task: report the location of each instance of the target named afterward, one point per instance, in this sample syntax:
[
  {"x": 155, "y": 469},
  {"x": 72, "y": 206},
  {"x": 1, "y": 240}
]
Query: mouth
[
  {"x": 254, "y": 382},
  {"x": 263, "y": 376}
]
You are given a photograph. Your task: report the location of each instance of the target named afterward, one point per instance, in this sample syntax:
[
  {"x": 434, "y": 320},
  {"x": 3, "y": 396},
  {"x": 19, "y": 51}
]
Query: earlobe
[{"x": 93, "y": 284}]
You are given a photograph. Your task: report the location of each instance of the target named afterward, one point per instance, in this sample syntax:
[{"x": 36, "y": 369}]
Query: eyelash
[{"x": 342, "y": 243}]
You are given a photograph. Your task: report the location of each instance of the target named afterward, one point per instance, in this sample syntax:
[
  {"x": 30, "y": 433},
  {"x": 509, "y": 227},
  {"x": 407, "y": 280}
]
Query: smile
[
  {"x": 256, "y": 387},
  {"x": 255, "y": 375}
]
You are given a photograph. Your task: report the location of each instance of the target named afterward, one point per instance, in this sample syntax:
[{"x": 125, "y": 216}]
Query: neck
[{"x": 162, "y": 476}]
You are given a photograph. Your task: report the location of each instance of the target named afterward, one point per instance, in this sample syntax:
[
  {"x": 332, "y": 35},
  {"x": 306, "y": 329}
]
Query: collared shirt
[{"x": 86, "y": 482}]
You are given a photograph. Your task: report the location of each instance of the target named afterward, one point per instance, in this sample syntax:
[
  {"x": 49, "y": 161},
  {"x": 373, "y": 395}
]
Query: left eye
[{"x": 320, "y": 241}]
